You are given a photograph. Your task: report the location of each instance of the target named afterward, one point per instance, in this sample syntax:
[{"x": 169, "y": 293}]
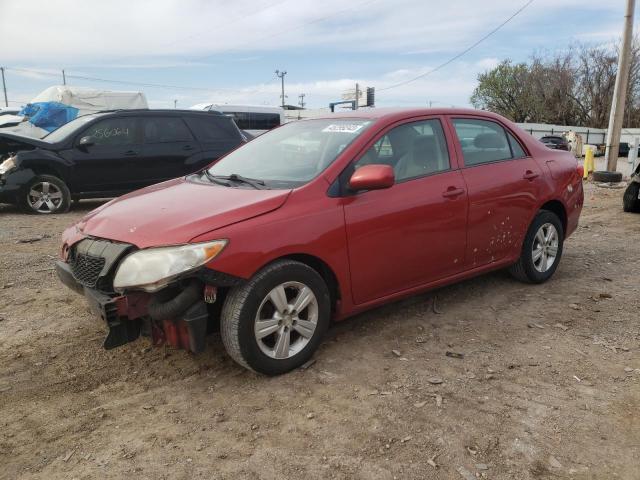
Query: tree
[
  {"x": 569, "y": 87},
  {"x": 506, "y": 90}
]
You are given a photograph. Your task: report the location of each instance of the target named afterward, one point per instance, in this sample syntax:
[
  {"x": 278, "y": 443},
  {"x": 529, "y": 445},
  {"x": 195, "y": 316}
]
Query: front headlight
[
  {"x": 8, "y": 165},
  {"x": 154, "y": 268}
]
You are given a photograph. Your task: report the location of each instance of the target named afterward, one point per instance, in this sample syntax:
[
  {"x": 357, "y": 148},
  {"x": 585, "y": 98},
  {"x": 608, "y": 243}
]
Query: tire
[
  {"x": 54, "y": 190},
  {"x": 251, "y": 303},
  {"x": 604, "y": 176},
  {"x": 630, "y": 201},
  {"x": 530, "y": 270}
]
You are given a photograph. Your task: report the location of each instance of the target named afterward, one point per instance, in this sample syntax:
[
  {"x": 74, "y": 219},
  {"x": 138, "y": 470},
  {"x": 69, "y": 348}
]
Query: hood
[
  {"x": 176, "y": 211},
  {"x": 10, "y": 142}
]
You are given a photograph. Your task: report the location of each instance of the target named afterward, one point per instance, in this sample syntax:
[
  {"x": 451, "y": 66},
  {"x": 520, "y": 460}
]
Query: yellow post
[{"x": 589, "y": 165}]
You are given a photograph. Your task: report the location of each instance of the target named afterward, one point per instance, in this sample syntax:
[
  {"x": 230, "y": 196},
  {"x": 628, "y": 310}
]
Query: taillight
[{"x": 580, "y": 170}]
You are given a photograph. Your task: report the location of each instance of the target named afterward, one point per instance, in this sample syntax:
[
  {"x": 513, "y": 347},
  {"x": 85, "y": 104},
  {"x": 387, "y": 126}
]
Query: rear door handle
[
  {"x": 529, "y": 175},
  {"x": 452, "y": 192},
  {"x": 187, "y": 147},
  {"x": 130, "y": 153}
]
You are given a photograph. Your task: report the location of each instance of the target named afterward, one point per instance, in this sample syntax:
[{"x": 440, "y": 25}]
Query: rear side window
[
  {"x": 213, "y": 128},
  {"x": 114, "y": 131},
  {"x": 165, "y": 129},
  {"x": 482, "y": 141}
]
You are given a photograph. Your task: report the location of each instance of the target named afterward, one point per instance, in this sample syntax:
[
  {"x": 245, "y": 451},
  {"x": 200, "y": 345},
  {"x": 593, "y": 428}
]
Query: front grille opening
[{"x": 87, "y": 268}]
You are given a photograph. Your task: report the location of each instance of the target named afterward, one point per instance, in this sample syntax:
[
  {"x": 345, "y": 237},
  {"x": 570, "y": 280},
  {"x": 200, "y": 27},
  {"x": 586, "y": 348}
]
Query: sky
[{"x": 196, "y": 51}]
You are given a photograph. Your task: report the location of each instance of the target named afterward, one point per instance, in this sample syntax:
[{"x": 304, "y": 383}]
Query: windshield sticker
[{"x": 343, "y": 128}]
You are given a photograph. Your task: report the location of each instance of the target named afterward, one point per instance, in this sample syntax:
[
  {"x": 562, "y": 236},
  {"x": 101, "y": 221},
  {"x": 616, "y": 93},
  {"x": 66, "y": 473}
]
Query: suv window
[
  {"x": 483, "y": 141},
  {"x": 413, "y": 150},
  {"x": 213, "y": 128},
  {"x": 165, "y": 129},
  {"x": 113, "y": 131}
]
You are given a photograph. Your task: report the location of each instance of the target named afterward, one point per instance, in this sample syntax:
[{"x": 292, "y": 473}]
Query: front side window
[
  {"x": 482, "y": 141},
  {"x": 165, "y": 129},
  {"x": 114, "y": 132},
  {"x": 413, "y": 150},
  {"x": 293, "y": 154}
]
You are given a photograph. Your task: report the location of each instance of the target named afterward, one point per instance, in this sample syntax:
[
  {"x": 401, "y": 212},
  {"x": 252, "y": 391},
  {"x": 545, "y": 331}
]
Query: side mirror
[
  {"x": 86, "y": 141},
  {"x": 372, "y": 177}
]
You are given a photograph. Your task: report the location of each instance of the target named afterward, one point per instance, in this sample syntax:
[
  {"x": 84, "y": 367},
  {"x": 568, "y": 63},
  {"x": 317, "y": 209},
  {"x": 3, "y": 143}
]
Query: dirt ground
[{"x": 549, "y": 385}]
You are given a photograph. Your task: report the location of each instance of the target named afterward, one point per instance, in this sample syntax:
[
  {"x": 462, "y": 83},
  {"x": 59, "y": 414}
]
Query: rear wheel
[
  {"x": 630, "y": 200},
  {"x": 541, "y": 249},
  {"x": 45, "y": 194},
  {"x": 274, "y": 322}
]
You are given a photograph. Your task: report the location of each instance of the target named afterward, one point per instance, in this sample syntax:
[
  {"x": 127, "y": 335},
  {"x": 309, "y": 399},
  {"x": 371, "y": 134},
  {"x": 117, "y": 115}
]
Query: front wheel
[
  {"x": 274, "y": 322},
  {"x": 541, "y": 249},
  {"x": 45, "y": 194}
]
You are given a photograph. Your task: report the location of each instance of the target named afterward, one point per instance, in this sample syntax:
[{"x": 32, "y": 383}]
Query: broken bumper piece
[{"x": 127, "y": 317}]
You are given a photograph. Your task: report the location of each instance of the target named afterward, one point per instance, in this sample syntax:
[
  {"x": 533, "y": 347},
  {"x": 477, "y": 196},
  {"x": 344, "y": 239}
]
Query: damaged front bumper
[{"x": 127, "y": 316}]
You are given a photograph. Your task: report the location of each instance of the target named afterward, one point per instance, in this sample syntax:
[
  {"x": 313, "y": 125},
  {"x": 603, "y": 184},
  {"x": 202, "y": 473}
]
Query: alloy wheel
[
  {"x": 45, "y": 197},
  {"x": 545, "y": 247},
  {"x": 286, "y": 320}
]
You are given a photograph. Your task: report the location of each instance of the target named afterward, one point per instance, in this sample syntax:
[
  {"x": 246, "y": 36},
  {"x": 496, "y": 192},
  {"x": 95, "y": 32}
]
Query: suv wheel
[
  {"x": 274, "y": 322},
  {"x": 541, "y": 249},
  {"x": 631, "y": 198},
  {"x": 45, "y": 194}
]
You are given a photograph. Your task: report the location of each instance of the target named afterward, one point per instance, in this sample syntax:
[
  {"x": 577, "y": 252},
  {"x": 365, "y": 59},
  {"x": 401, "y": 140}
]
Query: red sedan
[{"x": 318, "y": 220}]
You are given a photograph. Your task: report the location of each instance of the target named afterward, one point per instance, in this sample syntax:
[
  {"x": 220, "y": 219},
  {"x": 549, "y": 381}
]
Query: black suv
[{"x": 110, "y": 153}]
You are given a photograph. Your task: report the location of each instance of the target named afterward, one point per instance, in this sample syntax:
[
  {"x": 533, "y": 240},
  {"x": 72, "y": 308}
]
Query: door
[
  {"x": 504, "y": 184},
  {"x": 168, "y": 147},
  {"x": 106, "y": 164},
  {"x": 414, "y": 232}
]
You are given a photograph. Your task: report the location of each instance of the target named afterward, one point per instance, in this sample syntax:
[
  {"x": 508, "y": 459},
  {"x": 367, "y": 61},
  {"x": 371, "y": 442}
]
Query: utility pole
[
  {"x": 175, "y": 104},
  {"x": 64, "y": 78},
  {"x": 357, "y": 96},
  {"x": 4, "y": 87},
  {"x": 301, "y": 100},
  {"x": 281, "y": 75},
  {"x": 620, "y": 90}
]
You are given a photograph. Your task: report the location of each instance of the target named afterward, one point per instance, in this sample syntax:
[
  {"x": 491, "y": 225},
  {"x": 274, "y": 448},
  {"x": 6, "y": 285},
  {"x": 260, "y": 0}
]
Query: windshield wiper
[
  {"x": 234, "y": 177},
  {"x": 216, "y": 179}
]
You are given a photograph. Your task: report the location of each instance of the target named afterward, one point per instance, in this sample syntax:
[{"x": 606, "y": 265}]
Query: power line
[
  {"x": 139, "y": 84},
  {"x": 465, "y": 51}
]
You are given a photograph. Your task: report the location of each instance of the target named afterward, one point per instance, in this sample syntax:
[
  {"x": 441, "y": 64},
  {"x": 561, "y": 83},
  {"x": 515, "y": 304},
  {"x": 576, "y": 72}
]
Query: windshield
[
  {"x": 68, "y": 128},
  {"x": 293, "y": 154}
]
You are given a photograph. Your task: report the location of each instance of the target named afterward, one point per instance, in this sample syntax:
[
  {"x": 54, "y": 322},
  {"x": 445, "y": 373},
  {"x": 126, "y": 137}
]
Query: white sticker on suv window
[{"x": 343, "y": 128}]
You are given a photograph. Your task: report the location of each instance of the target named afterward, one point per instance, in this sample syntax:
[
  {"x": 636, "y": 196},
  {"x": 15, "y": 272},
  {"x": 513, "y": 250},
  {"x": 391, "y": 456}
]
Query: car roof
[{"x": 392, "y": 114}]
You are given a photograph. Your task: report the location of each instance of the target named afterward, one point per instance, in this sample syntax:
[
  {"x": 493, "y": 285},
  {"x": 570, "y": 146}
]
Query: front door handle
[
  {"x": 529, "y": 175},
  {"x": 187, "y": 147},
  {"x": 130, "y": 153},
  {"x": 452, "y": 192}
]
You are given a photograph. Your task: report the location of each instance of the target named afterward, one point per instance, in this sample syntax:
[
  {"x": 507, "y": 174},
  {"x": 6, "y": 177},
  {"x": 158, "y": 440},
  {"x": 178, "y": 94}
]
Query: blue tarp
[{"x": 49, "y": 115}]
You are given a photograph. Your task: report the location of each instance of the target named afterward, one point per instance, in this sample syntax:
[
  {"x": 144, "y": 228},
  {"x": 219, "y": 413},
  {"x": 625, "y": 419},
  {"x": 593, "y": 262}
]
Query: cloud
[{"x": 67, "y": 30}]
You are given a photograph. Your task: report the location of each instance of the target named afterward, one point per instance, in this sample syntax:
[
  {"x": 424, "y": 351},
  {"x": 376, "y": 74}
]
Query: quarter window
[
  {"x": 114, "y": 131},
  {"x": 516, "y": 148},
  {"x": 413, "y": 150},
  {"x": 484, "y": 141}
]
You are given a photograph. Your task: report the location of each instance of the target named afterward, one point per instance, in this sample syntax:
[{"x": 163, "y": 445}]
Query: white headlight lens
[
  {"x": 8, "y": 165},
  {"x": 154, "y": 268}
]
